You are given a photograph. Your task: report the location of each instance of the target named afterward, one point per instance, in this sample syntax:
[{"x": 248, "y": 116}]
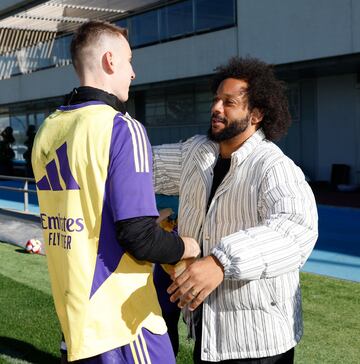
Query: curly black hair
[{"x": 265, "y": 92}]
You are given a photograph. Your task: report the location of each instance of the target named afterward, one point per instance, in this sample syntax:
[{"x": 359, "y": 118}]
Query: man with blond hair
[{"x": 92, "y": 165}]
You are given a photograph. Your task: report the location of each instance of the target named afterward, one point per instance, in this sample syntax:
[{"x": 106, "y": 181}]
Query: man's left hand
[
  {"x": 197, "y": 282},
  {"x": 174, "y": 270}
]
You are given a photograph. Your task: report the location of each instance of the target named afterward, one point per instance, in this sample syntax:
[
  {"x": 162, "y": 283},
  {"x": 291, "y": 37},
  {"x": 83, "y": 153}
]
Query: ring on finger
[{"x": 194, "y": 293}]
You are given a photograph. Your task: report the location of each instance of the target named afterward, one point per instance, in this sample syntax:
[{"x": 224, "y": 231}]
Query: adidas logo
[{"x": 51, "y": 181}]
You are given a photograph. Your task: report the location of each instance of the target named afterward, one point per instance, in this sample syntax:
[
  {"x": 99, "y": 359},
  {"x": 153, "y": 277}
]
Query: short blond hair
[{"x": 89, "y": 33}]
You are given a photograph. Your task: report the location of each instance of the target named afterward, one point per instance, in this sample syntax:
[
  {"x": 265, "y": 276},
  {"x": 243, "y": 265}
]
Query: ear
[
  {"x": 108, "y": 62},
  {"x": 256, "y": 116}
]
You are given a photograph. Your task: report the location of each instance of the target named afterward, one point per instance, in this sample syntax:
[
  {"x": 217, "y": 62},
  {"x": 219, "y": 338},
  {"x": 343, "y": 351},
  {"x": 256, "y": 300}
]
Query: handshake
[
  {"x": 191, "y": 252},
  {"x": 191, "y": 246},
  {"x": 193, "y": 278}
]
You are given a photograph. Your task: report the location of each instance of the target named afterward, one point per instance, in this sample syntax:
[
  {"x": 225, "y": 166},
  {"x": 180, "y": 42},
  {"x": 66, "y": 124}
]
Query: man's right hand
[{"x": 192, "y": 248}]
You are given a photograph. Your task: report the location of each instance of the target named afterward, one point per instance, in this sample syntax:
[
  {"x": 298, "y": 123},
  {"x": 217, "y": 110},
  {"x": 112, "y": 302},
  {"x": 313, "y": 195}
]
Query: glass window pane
[
  {"x": 177, "y": 20},
  {"x": 31, "y": 119},
  {"x": 39, "y": 118},
  {"x": 122, "y": 23},
  {"x": 180, "y": 109},
  {"x": 144, "y": 29},
  {"x": 19, "y": 124},
  {"x": 155, "y": 109},
  {"x": 210, "y": 14},
  {"x": 184, "y": 104},
  {"x": 4, "y": 122},
  {"x": 9, "y": 65},
  {"x": 61, "y": 51},
  {"x": 293, "y": 94},
  {"x": 203, "y": 105}
]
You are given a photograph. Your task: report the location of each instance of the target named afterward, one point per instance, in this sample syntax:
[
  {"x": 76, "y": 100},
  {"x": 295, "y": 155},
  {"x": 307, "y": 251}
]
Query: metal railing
[{"x": 25, "y": 189}]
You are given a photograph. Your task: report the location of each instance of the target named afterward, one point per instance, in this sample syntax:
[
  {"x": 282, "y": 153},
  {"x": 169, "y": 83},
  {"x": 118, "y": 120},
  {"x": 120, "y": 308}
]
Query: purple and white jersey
[{"x": 101, "y": 162}]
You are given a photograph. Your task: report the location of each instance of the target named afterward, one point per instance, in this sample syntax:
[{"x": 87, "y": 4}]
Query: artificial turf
[
  {"x": 331, "y": 309},
  {"x": 29, "y": 330}
]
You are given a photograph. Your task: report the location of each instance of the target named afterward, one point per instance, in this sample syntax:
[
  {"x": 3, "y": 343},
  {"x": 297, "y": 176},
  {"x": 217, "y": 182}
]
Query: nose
[
  {"x": 217, "y": 107},
  {"x": 132, "y": 74}
]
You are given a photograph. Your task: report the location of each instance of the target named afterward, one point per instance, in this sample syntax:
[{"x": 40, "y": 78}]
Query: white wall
[
  {"x": 188, "y": 57},
  {"x": 338, "y": 120},
  {"x": 282, "y": 31},
  {"x": 6, "y": 4},
  {"x": 42, "y": 84}
]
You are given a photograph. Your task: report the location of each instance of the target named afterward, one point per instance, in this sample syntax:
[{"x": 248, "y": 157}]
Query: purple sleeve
[{"x": 130, "y": 187}]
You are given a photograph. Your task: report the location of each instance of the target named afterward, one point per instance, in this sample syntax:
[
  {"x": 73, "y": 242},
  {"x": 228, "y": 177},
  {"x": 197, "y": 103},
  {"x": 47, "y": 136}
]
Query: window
[
  {"x": 176, "y": 20},
  {"x": 155, "y": 108},
  {"x": 202, "y": 106},
  {"x": 180, "y": 108},
  {"x": 19, "y": 124},
  {"x": 163, "y": 24},
  {"x": 61, "y": 51},
  {"x": 176, "y": 104},
  {"x": 214, "y": 14},
  {"x": 4, "y": 122},
  {"x": 123, "y": 23},
  {"x": 20, "y": 116},
  {"x": 144, "y": 28},
  {"x": 293, "y": 94},
  {"x": 36, "y": 119}
]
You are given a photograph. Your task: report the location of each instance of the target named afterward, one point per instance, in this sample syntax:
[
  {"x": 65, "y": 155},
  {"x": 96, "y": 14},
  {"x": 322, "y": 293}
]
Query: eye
[{"x": 229, "y": 102}]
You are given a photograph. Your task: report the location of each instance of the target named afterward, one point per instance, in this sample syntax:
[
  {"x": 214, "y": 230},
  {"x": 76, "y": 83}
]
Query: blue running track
[
  {"x": 336, "y": 254},
  {"x": 337, "y": 251}
]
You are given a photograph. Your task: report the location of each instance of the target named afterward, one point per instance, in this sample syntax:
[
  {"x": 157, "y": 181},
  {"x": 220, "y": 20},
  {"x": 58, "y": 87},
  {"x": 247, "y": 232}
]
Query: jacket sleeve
[
  {"x": 144, "y": 239},
  {"x": 167, "y": 165},
  {"x": 286, "y": 234}
]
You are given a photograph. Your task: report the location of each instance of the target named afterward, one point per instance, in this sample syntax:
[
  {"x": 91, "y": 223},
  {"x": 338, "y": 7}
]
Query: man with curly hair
[{"x": 253, "y": 213}]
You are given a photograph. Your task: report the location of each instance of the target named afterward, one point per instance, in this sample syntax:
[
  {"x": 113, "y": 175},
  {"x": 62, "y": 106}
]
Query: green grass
[
  {"x": 186, "y": 345},
  {"x": 29, "y": 330},
  {"x": 332, "y": 322},
  {"x": 21, "y": 267}
]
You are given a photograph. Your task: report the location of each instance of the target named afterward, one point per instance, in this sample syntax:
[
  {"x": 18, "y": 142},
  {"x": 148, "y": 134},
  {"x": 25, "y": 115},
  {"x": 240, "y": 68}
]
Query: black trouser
[
  {"x": 172, "y": 320},
  {"x": 170, "y": 311},
  {"x": 284, "y": 358}
]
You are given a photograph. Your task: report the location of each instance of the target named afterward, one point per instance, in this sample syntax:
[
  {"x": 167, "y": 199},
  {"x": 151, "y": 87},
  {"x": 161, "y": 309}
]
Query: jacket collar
[
  {"x": 210, "y": 149},
  {"x": 248, "y": 147},
  {"x": 83, "y": 94}
]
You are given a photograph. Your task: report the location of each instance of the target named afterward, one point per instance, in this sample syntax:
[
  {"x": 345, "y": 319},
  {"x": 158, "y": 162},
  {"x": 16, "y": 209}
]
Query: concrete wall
[
  {"x": 42, "y": 84},
  {"x": 6, "y": 5},
  {"x": 282, "y": 31},
  {"x": 188, "y": 57}
]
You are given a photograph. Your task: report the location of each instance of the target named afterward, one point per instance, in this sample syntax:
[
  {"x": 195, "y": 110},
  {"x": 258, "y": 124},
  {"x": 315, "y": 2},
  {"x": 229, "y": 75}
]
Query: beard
[{"x": 231, "y": 130}]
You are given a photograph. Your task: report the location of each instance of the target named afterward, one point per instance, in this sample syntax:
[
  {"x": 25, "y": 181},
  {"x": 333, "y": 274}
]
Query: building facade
[{"x": 315, "y": 47}]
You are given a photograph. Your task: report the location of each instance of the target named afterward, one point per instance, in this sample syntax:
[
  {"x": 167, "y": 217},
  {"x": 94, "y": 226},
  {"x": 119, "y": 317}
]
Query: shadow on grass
[
  {"x": 17, "y": 349},
  {"x": 22, "y": 251}
]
